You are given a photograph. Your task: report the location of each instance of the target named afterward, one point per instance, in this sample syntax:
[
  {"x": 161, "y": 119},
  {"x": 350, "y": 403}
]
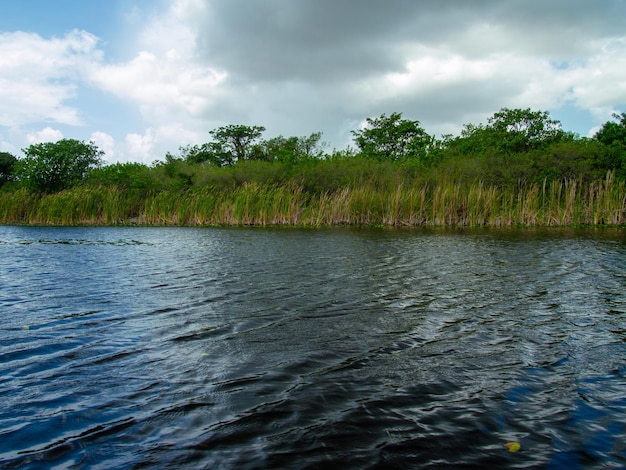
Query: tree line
[{"x": 514, "y": 147}]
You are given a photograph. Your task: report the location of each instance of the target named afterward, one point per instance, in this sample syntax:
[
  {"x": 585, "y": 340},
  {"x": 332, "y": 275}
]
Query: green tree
[
  {"x": 230, "y": 144},
  {"x": 612, "y": 131},
  {"x": 393, "y": 138},
  {"x": 293, "y": 149},
  {"x": 509, "y": 131},
  {"x": 521, "y": 130},
  {"x": 7, "y": 163},
  {"x": 54, "y": 166},
  {"x": 613, "y": 136},
  {"x": 235, "y": 142},
  {"x": 211, "y": 152}
]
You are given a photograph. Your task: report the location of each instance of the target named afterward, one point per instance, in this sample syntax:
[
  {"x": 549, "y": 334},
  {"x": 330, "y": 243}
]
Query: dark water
[{"x": 236, "y": 348}]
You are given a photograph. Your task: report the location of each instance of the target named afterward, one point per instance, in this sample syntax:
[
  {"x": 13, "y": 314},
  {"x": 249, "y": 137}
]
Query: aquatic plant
[{"x": 446, "y": 202}]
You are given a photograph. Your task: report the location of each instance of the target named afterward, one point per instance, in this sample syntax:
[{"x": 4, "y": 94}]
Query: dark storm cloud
[
  {"x": 329, "y": 40},
  {"x": 312, "y": 40}
]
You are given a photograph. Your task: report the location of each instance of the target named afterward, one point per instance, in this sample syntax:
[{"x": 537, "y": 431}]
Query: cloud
[
  {"x": 162, "y": 86},
  {"x": 163, "y": 79},
  {"x": 44, "y": 135},
  {"x": 599, "y": 83},
  {"x": 37, "y": 76},
  {"x": 173, "y": 92},
  {"x": 328, "y": 40},
  {"x": 301, "y": 66},
  {"x": 106, "y": 143},
  {"x": 146, "y": 147},
  {"x": 139, "y": 147}
]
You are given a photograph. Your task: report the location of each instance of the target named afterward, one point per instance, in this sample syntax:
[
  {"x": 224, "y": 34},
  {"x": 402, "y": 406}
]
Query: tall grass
[
  {"x": 77, "y": 206},
  {"x": 567, "y": 202}
]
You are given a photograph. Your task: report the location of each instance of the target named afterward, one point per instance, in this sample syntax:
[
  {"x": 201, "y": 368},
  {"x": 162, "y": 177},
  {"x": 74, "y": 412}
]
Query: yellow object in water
[{"x": 513, "y": 446}]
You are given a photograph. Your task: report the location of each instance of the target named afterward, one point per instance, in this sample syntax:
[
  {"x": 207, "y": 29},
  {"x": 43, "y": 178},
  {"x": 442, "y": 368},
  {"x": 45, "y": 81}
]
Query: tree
[
  {"x": 292, "y": 149},
  {"x": 54, "y": 166},
  {"x": 235, "y": 142},
  {"x": 230, "y": 144},
  {"x": 612, "y": 131},
  {"x": 509, "y": 131},
  {"x": 613, "y": 136},
  {"x": 393, "y": 138},
  {"x": 7, "y": 163},
  {"x": 523, "y": 129},
  {"x": 211, "y": 152}
]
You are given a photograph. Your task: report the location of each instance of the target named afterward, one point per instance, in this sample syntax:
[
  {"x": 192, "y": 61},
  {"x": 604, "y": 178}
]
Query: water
[{"x": 262, "y": 348}]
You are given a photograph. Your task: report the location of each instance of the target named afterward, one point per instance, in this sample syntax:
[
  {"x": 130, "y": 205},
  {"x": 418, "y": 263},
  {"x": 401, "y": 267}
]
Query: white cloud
[
  {"x": 162, "y": 87},
  {"x": 106, "y": 143},
  {"x": 599, "y": 83},
  {"x": 9, "y": 147},
  {"x": 153, "y": 143},
  {"x": 163, "y": 79},
  {"x": 37, "y": 76},
  {"x": 44, "y": 135},
  {"x": 139, "y": 147}
]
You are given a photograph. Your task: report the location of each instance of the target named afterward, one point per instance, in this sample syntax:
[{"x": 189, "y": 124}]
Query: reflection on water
[{"x": 244, "y": 348}]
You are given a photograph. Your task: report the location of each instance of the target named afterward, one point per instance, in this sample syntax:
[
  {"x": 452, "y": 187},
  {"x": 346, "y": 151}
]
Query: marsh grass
[{"x": 567, "y": 202}]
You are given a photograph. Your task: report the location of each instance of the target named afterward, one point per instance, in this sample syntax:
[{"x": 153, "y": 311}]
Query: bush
[{"x": 122, "y": 175}]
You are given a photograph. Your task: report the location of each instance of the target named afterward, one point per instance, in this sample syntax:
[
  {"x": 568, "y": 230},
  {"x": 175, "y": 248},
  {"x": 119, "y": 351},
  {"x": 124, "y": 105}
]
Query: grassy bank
[{"x": 567, "y": 202}]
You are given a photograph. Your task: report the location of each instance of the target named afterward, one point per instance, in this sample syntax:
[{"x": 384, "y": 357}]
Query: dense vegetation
[{"x": 519, "y": 168}]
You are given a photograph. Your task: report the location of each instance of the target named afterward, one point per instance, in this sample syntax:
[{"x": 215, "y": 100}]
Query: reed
[
  {"x": 443, "y": 203},
  {"x": 85, "y": 205}
]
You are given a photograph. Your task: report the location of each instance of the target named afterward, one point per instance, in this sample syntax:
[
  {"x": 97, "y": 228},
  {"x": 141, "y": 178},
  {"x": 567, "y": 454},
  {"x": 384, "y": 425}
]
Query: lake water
[{"x": 292, "y": 348}]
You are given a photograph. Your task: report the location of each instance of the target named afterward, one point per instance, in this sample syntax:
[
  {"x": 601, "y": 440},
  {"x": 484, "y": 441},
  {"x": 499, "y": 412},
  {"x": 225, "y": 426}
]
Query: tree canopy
[
  {"x": 509, "y": 131},
  {"x": 232, "y": 143},
  {"x": 54, "y": 166},
  {"x": 393, "y": 138},
  {"x": 512, "y": 147},
  {"x": 7, "y": 162},
  {"x": 613, "y": 136},
  {"x": 235, "y": 142},
  {"x": 613, "y": 132}
]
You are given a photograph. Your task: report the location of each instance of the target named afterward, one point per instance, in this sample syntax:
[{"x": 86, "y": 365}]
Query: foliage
[
  {"x": 518, "y": 168},
  {"x": 237, "y": 139},
  {"x": 393, "y": 138},
  {"x": 230, "y": 144},
  {"x": 508, "y": 131},
  {"x": 54, "y": 166},
  {"x": 122, "y": 175},
  {"x": 291, "y": 150},
  {"x": 211, "y": 152},
  {"x": 566, "y": 159},
  {"x": 7, "y": 162},
  {"x": 235, "y": 142},
  {"x": 523, "y": 129},
  {"x": 613, "y": 136},
  {"x": 612, "y": 132}
]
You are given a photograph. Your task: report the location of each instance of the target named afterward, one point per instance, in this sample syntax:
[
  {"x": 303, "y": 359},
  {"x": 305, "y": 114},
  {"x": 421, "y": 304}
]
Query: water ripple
[{"x": 191, "y": 348}]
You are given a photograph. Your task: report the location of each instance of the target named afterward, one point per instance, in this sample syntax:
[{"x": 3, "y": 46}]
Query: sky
[{"x": 141, "y": 78}]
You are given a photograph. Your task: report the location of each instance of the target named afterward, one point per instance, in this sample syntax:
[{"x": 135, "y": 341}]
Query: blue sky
[{"x": 143, "y": 77}]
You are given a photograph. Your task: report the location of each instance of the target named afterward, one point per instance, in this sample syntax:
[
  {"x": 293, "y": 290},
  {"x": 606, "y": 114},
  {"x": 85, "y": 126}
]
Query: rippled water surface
[{"x": 262, "y": 348}]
